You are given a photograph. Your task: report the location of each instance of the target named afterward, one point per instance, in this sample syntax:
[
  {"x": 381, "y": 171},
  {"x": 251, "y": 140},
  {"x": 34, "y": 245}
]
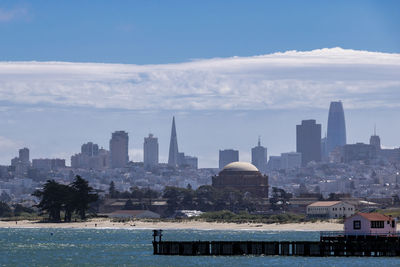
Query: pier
[{"x": 330, "y": 244}]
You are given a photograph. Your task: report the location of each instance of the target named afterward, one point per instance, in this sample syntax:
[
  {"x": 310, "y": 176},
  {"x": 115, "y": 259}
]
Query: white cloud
[
  {"x": 8, "y": 147},
  {"x": 7, "y": 15},
  {"x": 287, "y": 80}
]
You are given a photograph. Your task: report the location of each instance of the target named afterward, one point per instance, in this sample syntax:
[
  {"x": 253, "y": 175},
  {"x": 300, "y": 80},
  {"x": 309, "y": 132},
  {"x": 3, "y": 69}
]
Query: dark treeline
[
  {"x": 16, "y": 210},
  {"x": 74, "y": 198},
  {"x": 135, "y": 193},
  {"x": 207, "y": 198}
]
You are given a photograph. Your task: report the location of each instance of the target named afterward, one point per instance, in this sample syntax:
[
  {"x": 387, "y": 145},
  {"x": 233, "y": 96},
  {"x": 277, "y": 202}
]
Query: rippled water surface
[{"x": 108, "y": 247}]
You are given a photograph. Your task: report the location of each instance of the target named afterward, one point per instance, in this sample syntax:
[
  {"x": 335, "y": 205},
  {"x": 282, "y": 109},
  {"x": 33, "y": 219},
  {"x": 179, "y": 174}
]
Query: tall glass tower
[{"x": 336, "y": 126}]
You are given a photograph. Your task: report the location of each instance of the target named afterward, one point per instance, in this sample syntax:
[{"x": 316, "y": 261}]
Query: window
[
  {"x": 377, "y": 224},
  {"x": 356, "y": 225}
]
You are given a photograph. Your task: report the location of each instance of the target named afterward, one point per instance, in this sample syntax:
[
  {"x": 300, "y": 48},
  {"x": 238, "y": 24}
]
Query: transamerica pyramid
[{"x": 173, "y": 147}]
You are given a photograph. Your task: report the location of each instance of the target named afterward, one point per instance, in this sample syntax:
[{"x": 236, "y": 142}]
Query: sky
[{"x": 229, "y": 71}]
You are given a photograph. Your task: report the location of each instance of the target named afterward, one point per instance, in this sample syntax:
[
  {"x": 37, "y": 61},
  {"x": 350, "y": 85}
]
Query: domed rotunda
[{"x": 242, "y": 176}]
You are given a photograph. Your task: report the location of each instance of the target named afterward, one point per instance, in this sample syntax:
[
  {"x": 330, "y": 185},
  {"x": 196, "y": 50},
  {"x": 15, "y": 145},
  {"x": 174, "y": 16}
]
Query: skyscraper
[
  {"x": 90, "y": 149},
  {"x": 375, "y": 140},
  {"x": 24, "y": 155},
  {"x": 336, "y": 127},
  {"x": 259, "y": 157},
  {"x": 150, "y": 152},
  {"x": 119, "y": 149},
  {"x": 308, "y": 141},
  {"x": 173, "y": 147},
  {"x": 227, "y": 156}
]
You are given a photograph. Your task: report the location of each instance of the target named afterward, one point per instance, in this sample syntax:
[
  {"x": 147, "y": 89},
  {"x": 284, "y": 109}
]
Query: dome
[{"x": 239, "y": 166}]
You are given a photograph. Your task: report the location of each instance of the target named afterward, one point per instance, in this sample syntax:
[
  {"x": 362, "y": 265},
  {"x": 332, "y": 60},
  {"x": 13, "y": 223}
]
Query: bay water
[{"x": 133, "y": 247}]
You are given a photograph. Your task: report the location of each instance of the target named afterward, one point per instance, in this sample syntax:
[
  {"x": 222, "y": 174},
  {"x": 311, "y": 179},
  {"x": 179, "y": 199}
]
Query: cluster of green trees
[
  {"x": 207, "y": 198},
  {"x": 241, "y": 217},
  {"x": 74, "y": 198},
  {"x": 135, "y": 193},
  {"x": 16, "y": 211}
]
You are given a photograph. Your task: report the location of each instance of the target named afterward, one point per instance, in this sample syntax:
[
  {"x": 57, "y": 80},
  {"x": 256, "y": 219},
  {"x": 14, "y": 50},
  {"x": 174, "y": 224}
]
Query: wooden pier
[{"x": 328, "y": 245}]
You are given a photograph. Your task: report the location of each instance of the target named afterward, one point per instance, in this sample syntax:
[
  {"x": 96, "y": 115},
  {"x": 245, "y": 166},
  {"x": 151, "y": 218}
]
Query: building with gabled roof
[
  {"x": 330, "y": 209},
  {"x": 369, "y": 223}
]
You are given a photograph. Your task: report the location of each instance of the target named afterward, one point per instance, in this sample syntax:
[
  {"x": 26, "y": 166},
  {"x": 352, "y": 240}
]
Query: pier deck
[{"x": 328, "y": 245}]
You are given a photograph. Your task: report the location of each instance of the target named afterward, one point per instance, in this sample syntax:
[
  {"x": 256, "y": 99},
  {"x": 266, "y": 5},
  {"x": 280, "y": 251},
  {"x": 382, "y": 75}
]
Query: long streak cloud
[{"x": 275, "y": 81}]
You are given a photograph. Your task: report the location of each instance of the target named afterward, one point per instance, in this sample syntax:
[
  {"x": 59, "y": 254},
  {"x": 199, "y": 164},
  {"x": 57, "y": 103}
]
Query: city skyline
[
  {"x": 245, "y": 153},
  {"x": 269, "y": 70}
]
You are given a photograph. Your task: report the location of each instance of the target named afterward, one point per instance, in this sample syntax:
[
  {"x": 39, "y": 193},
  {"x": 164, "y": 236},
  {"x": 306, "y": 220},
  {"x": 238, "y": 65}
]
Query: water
[{"x": 117, "y": 247}]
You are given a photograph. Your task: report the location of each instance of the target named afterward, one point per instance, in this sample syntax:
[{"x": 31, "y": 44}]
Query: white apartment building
[{"x": 330, "y": 209}]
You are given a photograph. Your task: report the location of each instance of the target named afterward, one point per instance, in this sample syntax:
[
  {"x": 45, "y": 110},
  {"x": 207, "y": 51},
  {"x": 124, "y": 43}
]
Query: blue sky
[
  {"x": 228, "y": 70},
  {"x": 152, "y": 32}
]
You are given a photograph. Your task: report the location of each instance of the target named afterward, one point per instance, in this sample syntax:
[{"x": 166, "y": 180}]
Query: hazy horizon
[
  {"x": 73, "y": 72},
  {"x": 55, "y": 107}
]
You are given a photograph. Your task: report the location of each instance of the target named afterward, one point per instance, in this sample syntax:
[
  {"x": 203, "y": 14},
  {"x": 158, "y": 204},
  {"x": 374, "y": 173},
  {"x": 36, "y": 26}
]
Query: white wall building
[{"x": 330, "y": 209}]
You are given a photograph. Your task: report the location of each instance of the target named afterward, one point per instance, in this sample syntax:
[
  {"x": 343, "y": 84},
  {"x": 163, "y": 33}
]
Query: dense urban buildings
[
  {"x": 150, "y": 152},
  {"x": 308, "y": 141},
  {"x": 290, "y": 160},
  {"x": 359, "y": 173},
  {"x": 91, "y": 157},
  {"x": 244, "y": 177},
  {"x": 119, "y": 149},
  {"x": 336, "y": 126},
  {"x": 173, "y": 147},
  {"x": 259, "y": 157},
  {"x": 227, "y": 156},
  {"x": 90, "y": 149}
]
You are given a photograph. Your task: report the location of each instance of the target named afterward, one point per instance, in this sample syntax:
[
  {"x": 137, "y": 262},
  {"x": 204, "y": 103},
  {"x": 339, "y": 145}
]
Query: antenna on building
[
  {"x": 375, "y": 129},
  {"x": 259, "y": 140}
]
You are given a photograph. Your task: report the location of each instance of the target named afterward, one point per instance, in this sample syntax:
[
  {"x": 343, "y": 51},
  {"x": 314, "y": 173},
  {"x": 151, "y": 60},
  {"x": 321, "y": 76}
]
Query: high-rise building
[
  {"x": 308, "y": 141},
  {"x": 24, "y": 155},
  {"x": 227, "y": 156},
  {"x": 375, "y": 140},
  {"x": 173, "y": 147},
  {"x": 336, "y": 127},
  {"x": 150, "y": 152},
  {"x": 290, "y": 160},
  {"x": 91, "y": 157},
  {"x": 119, "y": 149},
  {"x": 358, "y": 152},
  {"x": 324, "y": 150},
  {"x": 90, "y": 149},
  {"x": 274, "y": 163},
  {"x": 259, "y": 157}
]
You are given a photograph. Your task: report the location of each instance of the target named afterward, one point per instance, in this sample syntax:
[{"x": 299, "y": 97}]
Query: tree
[
  {"x": 129, "y": 205},
  {"x": 280, "y": 199},
  {"x": 55, "y": 197},
  {"x": 52, "y": 199},
  {"x": 112, "y": 192},
  {"x": 83, "y": 196},
  {"x": 5, "y": 210},
  {"x": 18, "y": 209}
]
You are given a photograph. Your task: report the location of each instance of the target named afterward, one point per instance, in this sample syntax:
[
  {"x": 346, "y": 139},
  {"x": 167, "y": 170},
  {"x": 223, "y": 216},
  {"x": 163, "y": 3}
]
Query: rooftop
[
  {"x": 375, "y": 216},
  {"x": 324, "y": 203},
  {"x": 239, "y": 166}
]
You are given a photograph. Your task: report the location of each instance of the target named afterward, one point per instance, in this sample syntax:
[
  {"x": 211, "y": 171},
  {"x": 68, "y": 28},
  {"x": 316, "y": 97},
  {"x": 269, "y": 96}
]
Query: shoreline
[{"x": 183, "y": 225}]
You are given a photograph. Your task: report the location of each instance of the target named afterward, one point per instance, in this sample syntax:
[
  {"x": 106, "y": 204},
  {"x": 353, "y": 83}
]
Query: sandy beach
[{"x": 200, "y": 225}]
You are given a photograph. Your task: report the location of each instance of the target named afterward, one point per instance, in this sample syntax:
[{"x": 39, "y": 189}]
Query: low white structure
[{"x": 330, "y": 209}]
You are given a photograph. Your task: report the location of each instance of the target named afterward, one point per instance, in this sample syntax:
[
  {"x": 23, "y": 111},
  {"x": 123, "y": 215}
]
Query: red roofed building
[{"x": 369, "y": 223}]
